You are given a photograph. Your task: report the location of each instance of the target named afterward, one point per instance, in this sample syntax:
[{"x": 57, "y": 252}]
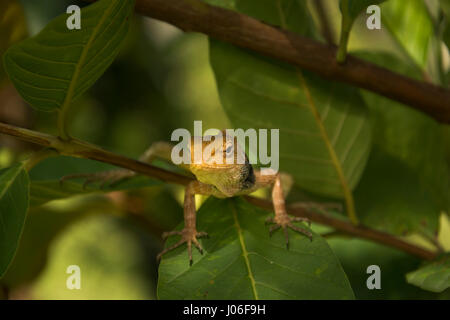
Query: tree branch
[
  {"x": 246, "y": 32},
  {"x": 77, "y": 148}
]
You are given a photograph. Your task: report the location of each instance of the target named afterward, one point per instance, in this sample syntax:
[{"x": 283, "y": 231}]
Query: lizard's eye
[{"x": 229, "y": 149}]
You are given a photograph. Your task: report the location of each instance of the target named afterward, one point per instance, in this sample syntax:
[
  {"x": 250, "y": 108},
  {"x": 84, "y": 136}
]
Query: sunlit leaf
[
  {"x": 410, "y": 24},
  {"x": 14, "y": 189},
  {"x": 241, "y": 261},
  {"x": 55, "y": 67},
  {"x": 433, "y": 276}
]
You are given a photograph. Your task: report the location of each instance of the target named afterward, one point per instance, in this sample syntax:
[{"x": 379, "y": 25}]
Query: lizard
[{"x": 216, "y": 178}]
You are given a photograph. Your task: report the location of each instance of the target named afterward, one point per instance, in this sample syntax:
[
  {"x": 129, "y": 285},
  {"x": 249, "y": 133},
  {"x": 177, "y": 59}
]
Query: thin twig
[{"x": 82, "y": 149}]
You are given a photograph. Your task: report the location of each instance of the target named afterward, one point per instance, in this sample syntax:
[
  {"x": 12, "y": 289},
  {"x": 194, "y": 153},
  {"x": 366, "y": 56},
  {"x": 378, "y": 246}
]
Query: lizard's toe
[
  {"x": 286, "y": 222},
  {"x": 188, "y": 236}
]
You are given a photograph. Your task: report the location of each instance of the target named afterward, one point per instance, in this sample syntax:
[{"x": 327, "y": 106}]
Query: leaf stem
[
  {"x": 62, "y": 124},
  {"x": 346, "y": 26}
]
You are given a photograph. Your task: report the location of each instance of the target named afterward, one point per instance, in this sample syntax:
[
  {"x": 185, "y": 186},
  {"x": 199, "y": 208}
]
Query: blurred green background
[{"x": 160, "y": 81}]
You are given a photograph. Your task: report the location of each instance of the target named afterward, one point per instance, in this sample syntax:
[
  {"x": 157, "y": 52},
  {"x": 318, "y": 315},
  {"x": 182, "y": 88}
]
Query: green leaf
[
  {"x": 433, "y": 276},
  {"x": 12, "y": 27},
  {"x": 55, "y": 67},
  {"x": 350, "y": 10},
  {"x": 324, "y": 127},
  {"x": 445, "y": 5},
  {"x": 31, "y": 256},
  {"x": 46, "y": 185},
  {"x": 355, "y": 255},
  {"x": 390, "y": 197},
  {"x": 414, "y": 142},
  {"x": 287, "y": 14},
  {"x": 411, "y": 26},
  {"x": 241, "y": 261},
  {"x": 14, "y": 189}
]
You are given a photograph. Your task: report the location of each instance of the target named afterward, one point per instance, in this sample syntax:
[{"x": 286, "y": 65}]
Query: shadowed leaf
[
  {"x": 241, "y": 261},
  {"x": 55, "y": 67},
  {"x": 434, "y": 276},
  {"x": 14, "y": 189}
]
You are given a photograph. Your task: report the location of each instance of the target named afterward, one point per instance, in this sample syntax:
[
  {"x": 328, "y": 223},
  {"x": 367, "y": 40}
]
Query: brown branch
[
  {"x": 246, "y": 32},
  {"x": 359, "y": 231},
  {"x": 82, "y": 149}
]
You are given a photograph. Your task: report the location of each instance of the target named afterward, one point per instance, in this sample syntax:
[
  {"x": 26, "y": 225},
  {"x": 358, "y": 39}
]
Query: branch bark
[
  {"x": 246, "y": 32},
  {"x": 77, "y": 148}
]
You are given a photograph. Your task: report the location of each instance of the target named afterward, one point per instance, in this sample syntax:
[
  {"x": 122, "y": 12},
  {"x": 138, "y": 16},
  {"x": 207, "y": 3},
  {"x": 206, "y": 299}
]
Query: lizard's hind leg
[
  {"x": 158, "y": 150},
  {"x": 281, "y": 218}
]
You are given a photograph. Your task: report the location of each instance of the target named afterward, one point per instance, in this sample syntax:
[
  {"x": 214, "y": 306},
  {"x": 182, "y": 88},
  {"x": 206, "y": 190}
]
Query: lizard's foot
[
  {"x": 107, "y": 178},
  {"x": 284, "y": 221},
  {"x": 188, "y": 236}
]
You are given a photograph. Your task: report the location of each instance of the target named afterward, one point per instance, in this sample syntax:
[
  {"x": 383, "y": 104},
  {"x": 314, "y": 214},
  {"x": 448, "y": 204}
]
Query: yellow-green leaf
[{"x": 55, "y": 67}]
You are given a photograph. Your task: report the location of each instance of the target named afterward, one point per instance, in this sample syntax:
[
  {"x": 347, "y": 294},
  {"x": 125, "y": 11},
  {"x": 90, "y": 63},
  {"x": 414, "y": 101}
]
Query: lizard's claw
[
  {"x": 284, "y": 221},
  {"x": 188, "y": 236},
  {"x": 106, "y": 178}
]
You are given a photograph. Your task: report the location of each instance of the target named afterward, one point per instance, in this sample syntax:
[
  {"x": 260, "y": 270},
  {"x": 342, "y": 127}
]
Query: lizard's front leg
[
  {"x": 161, "y": 150},
  {"x": 281, "y": 218},
  {"x": 189, "y": 234}
]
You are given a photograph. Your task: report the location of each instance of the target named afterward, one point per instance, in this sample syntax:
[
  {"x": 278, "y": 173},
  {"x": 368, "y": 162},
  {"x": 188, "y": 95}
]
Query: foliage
[
  {"x": 242, "y": 262},
  {"x": 434, "y": 276},
  {"x": 14, "y": 189}
]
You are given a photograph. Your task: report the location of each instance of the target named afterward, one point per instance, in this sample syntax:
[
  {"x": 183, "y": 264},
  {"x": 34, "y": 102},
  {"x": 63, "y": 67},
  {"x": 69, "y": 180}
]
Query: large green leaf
[
  {"x": 390, "y": 196},
  {"x": 241, "y": 261},
  {"x": 324, "y": 131},
  {"x": 55, "y": 67},
  {"x": 46, "y": 184},
  {"x": 434, "y": 276},
  {"x": 411, "y": 148},
  {"x": 324, "y": 128},
  {"x": 411, "y": 26},
  {"x": 14, "y": 189}
]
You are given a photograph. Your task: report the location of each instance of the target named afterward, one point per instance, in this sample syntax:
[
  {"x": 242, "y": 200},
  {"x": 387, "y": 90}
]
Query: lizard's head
[{"x": 224, "y": 164}]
